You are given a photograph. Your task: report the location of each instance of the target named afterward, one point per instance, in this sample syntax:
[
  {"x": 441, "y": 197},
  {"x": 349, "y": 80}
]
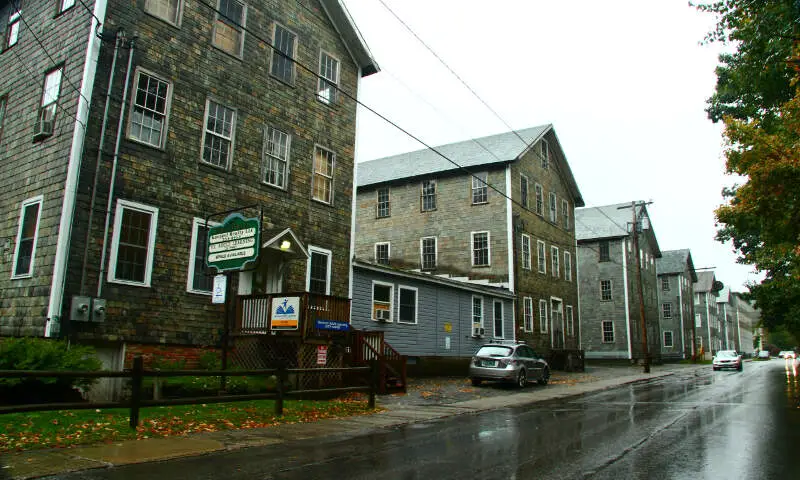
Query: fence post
[
  {"x": 136, "y": 390},
  {"x": 279, "y": 386},
  {"x": 373, "y": 382}
]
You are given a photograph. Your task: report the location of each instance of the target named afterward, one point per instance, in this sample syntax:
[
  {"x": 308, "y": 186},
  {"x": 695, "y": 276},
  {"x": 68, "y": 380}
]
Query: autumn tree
[{"x": 758, "y": 101}]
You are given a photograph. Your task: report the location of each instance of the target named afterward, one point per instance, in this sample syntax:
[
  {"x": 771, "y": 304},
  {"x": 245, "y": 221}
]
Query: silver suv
[{"x": 508, "y": 362}]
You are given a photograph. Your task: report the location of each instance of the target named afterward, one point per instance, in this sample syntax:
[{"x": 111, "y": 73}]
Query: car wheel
[
  {"x": 739, "y": 367},
  {"x": 476, "y": 382},
  {"x": 714, "y": 368},
  {"x": 522, "y": 378},
  {"x": 545, "y": 377}
]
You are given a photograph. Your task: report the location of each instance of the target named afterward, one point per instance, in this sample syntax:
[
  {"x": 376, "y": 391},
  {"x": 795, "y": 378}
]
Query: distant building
[
  {"x": 676, "y": 277},
  {"x": 706, "y": 316},
  {"x": 747, "y": 319}
]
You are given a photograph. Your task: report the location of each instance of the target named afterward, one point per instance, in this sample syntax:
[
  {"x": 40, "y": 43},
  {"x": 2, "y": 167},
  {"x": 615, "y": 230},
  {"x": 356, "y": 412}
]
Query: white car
[
  {"x": 787, "y": 354},
  {"x": 727, "y": 359}
]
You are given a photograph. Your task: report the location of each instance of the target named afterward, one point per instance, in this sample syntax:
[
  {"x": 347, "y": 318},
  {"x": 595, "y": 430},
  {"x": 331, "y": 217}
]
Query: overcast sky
[{"x": 624, "y": 84}]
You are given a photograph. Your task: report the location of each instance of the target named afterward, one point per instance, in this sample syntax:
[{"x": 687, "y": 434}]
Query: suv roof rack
[{"x": 501, "y": 341}]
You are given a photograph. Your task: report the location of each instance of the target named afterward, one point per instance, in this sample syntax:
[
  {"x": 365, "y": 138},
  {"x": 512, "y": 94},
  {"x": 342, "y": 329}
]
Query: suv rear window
[{"x": 494, "y": 351}]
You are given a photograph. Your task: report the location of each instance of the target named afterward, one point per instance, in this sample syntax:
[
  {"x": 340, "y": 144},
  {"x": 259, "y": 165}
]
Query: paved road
[{"x": 702, "y": 424}]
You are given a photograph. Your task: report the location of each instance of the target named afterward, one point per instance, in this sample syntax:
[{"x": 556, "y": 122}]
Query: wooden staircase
[{"x": 392, "y": 366}]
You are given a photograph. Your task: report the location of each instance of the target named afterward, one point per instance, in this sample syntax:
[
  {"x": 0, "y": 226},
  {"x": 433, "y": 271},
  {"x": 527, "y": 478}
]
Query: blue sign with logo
[{"x": 333, "y": 325}]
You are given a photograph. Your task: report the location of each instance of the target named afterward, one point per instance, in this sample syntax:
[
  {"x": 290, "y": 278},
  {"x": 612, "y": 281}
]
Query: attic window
[{"x": 545, "y": 154}]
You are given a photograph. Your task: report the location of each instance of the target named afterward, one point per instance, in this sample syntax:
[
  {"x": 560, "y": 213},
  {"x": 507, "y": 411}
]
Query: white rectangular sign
[{"x": 218, "y": 293}]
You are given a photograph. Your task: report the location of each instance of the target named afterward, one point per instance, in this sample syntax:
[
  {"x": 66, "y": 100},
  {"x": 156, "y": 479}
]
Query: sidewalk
[{"x": 441, "y": 397}]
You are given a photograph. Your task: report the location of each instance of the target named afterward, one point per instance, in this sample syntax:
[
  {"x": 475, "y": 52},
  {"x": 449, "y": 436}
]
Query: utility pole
[{"x": 635, "y": 239}]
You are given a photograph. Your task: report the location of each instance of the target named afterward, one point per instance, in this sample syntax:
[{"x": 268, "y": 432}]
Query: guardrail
[{"x": 138, "y": 373}]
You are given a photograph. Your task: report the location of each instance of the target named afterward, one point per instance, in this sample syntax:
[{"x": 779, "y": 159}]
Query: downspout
[
  {"x": 353, "y": 201},
  {"x": 708, "y": 321},
  {"x": 52, "y": 326},
  {"x": 627, "y": 306},
  {"x": 511, "y": 238},
  {"x": 738, "y": 327},
  {"x": 725, "y": 322},
  {"x": 100, "y": 152},
  {"x": 578, "y": 289},
  {"x": 120, "y": 127},
  {"x": 680, "y": 304}
]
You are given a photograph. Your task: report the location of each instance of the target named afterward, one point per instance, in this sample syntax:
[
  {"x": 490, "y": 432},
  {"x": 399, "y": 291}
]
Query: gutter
[
  {"x": 680, "y": 304},
  {"x": 627, "y": 305},
  {"x": 52, "y": 327}
]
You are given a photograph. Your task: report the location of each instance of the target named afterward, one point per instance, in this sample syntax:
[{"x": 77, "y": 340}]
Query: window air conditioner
[
  {"x": 44, "y": 124},
  {"x": 383, "y": 315},
  {"x": 478, "y": 332}
]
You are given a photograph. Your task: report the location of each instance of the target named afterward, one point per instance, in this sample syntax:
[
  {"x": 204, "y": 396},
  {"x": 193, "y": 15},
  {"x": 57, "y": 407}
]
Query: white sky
[{"x": 624, "y": 84}]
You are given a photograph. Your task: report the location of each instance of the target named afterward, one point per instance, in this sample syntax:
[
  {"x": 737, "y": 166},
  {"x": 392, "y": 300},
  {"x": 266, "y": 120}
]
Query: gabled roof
[
  {"x": 493, "y": 150},
  {"x": 675, "y": 261},
  {"x": 611, "y": 221},
  {"x": 705, "y": 282},
  {"x": 724, "y": 295},
  {"x": 353, "y": 41}
]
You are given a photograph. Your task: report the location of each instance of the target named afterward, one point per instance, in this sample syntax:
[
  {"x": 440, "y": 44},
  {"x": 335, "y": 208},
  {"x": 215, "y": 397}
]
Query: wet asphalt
[{"x": 697, "y": 424}]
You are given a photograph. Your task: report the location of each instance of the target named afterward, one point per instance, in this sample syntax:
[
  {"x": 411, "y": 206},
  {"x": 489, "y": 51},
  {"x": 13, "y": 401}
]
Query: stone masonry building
[
  {"x": 706, "y": 314},
  {"x": 124, "y": 125},
  {"x": 610, "y": 312},
  {"x": 498, "y": 209},
  {"x": 676, "y": 276}
]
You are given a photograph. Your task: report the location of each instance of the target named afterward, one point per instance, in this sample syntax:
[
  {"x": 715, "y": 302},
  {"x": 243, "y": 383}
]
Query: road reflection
[{"x": 792, "y": 386}]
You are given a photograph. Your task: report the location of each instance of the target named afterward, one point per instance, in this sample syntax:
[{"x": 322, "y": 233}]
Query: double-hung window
[
  {"x": 318, "y": 271},
  {"x": 527, "y": 314},
  {"x": 665, "y": 284},
  {"x": 382, "y": 253},
  {"x": 541, "y": 256},
  {"x": 133, "y": 244},
  {"x": 229, "y": 26},
  {"x": 477, "y": 311},
  {"x": 322, "y": 182},
  {"x": 383, "y": 208},
  {"x": 481, "y": 253},
  {"x": 565, "y": 214},
  {"x": 543, "y": 316},
  {"x": 480, "y": 188},
  {"x": 27, "y": 237},
  {"x": 605, "y": 290},
  {"x": 276, "y": 157},
  {"x": 327, "y": 86},
  {"x": 382, "y": 296},
  {"x": 220, "y": 126},
  {"x": 12, "y": 29},
  {"x": 608, "y": 331},
  {"x": 284, "y": 43},
  {"x": 605, "y": 254},
  {"x": 428, "y": 195},
  {"x": 526, "y": 251},
  {"x": 149, "y": 109},
  {"x": 407, "y": 305},
  {"x": 666, "y": 309},
  {"x": 427, "y": 250},
  {"x": 555, "y": 267},
  {"x": 46, "y": 117},
  {"x": 567, "y": 266},
  {"x": 498, "y": 319},
  {"x": 668, "y": 339},
  {"x": 167, "y": 10},
  {"x": 198, "y": 281},
  {"x": 539, "y": 192},
  {"x": 570, "y": 321},
  {"x": 553, "y": 208},
  {"x": 65, "y": 5},
  {"x": 545, "y": 154},
  {"x": 523, "y": 190}
]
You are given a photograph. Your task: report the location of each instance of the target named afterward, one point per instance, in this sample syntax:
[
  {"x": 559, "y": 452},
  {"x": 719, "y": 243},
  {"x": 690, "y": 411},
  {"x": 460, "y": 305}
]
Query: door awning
[{"x": 284, "y": 242}]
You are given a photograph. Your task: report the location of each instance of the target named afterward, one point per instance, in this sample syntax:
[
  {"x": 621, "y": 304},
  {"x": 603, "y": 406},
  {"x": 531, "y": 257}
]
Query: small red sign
[{"x": 322, "y": 354}]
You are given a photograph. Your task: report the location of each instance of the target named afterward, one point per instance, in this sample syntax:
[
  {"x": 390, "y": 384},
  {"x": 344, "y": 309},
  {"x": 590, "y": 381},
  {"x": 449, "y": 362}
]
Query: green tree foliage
[
  {"x": 782, "y": 339},
  {"x": 758, "y": 100}
]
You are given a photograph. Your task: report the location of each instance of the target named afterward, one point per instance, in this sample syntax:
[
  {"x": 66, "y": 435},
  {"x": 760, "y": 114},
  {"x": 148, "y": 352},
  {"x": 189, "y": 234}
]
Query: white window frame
[
  {"x": 197, "y": 222},
  {"x": 388, "y": 252},
  {"x": 65, "y": 5},
  {"x": 665, "y": 284},
  {"x": 329, "y": 255},
  {"x": 123, "y": 205},
  {"x": 543, "y": 309},
  {"x": 48, "y": 105},
  {"x": 480, "y": 188},
  {"x": 319, "y": 176},
  {"x": 603, "y": 331},
  {"x": 610, "y": 291},
  {"x": 240, "y": 29},
  {"x": 527, "y": 314},
  {"x": 429, "y": 195},
  {"x": 525, "y": 251},
  {"x": 422, "y": 253},
  {"x": 151, "y": 10},
  {"x": 553, "y": 208},
  {"x": 539, "y": 197},
  {"x": 37, "y": 200},
  {"x": 570, "y": 321},
  {"x": 502, "y": 335},
  {"x": 162, "y": 141},
  {"x": 541, "y": 257},
  {"x": 12, "y": 29},
  {"x": 290, "y": 58},
  {"x": 671, "y": 339},
  {"x": 567, "y": 266},
  {"x": 565, "y": 216},
  {"x": 269, "y": 158},
  {"x": 524, "y": 187},
  {"x": 378, "y": 202},
  {"x": 554, "y": 259},
  {"x": 664, "y": 310},
  {"x": 328, "y": 85},
  {"x": 483, "y": 310},
  {"x": 231, "y": 139},
  {"x": 391, "y": 300},
  {"x": 488, "y": 248},
  {"x": 544, "y": 151},
  {"x": 400, "y": 288}
]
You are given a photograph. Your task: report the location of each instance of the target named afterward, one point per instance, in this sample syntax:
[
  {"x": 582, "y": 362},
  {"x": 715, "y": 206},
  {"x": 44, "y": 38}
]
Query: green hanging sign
[{"x": 234, "y": 243}]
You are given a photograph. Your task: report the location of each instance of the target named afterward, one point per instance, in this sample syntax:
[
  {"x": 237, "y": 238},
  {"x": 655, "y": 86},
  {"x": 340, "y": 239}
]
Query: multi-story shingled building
[
  {"x": 676, "y": 276},
  {"x": 124, "y": 124},
  {"x": 610, "y": 312},
  {"x": 706, "y": 315},
  {"x": 498, "y": 208}
]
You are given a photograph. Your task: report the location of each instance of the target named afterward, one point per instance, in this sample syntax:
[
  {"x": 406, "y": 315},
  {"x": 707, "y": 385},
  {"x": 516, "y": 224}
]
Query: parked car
[
  {"x": 515, "y": 363},
  {"x": 763, "y": 354},
  {"x": 727, "y": 359},
  {"x": 787, "y": 354}
]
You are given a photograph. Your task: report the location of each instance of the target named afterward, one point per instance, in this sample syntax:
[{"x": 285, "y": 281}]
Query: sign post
[{"x": 231, "y": 246}]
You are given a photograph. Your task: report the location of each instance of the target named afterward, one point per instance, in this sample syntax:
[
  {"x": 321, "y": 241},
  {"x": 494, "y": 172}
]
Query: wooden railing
[
  {"x": 368, "y": 346},
  {"x": 254, "y": 312}
]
